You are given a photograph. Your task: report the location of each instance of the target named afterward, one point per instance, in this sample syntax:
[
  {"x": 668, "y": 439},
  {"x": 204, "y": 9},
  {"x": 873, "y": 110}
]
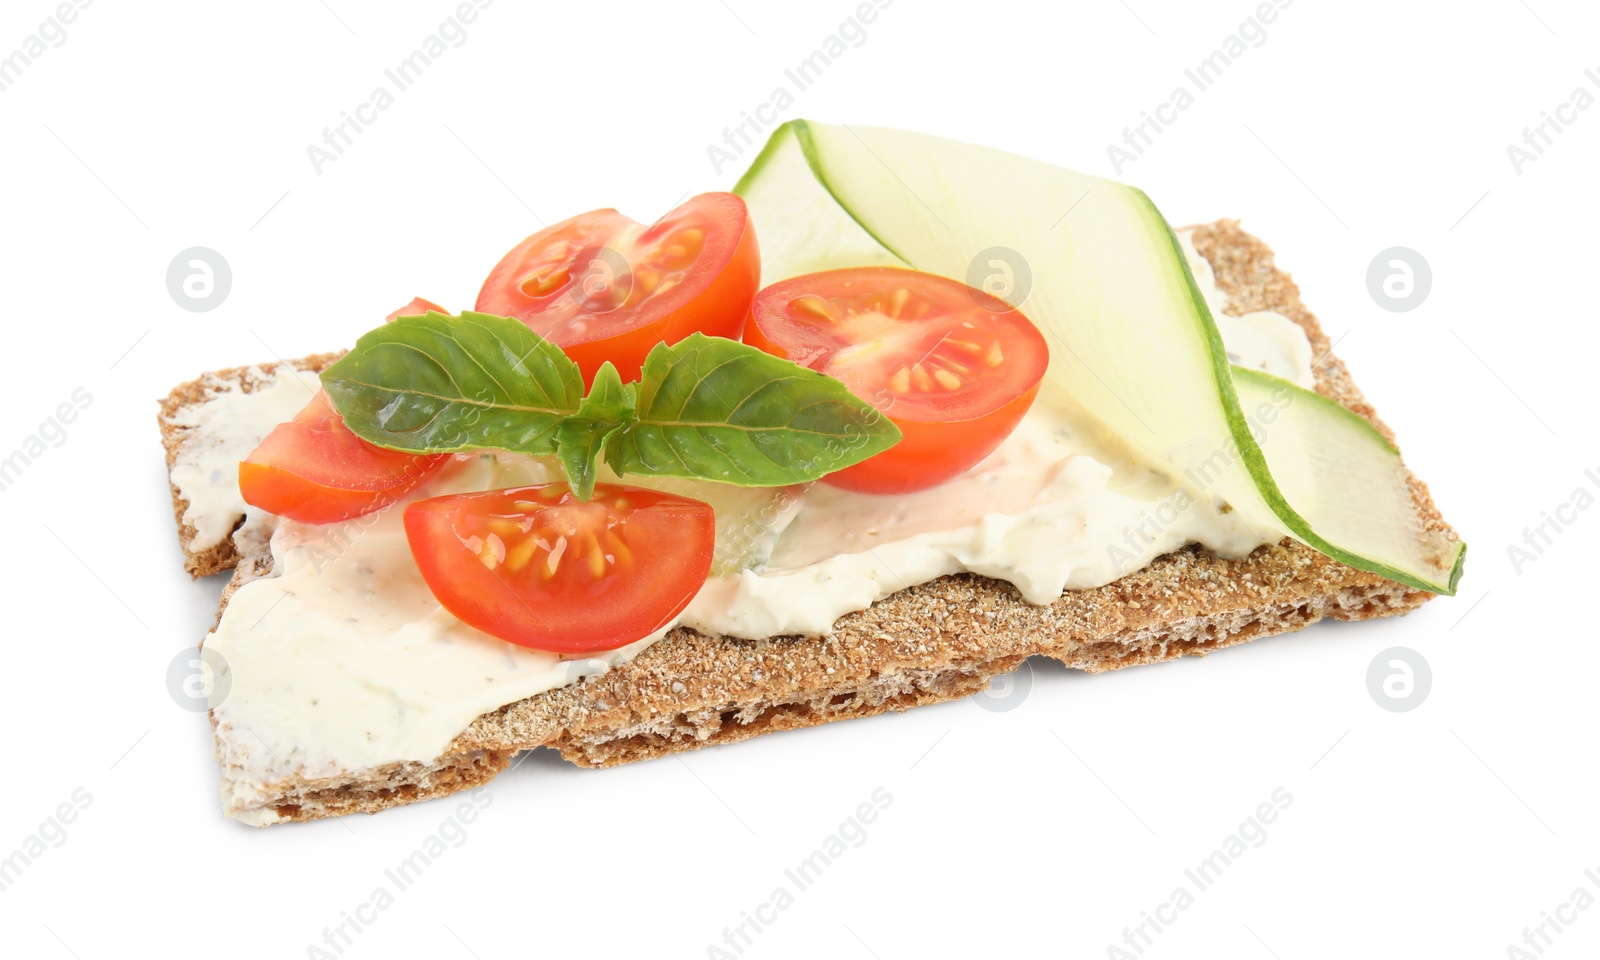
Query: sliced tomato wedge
[
  {"x": 538, "y": 567},
  {"x": 603, "y": 287},
  {"x": 953, "y": 367},
  {"x": 313, "y": 469},
  {"x": 416, "y": 308}
]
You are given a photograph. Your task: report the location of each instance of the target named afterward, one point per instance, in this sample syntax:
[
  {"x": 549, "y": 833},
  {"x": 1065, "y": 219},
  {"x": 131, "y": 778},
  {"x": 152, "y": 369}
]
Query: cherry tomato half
[
  {"x": 313, "y": 469},
  {"x": 538, "y": 567},
  {"x": 603, "y": 287},
  {"x": 416, "y": 308},
  {"x": 953, "y": 367}
]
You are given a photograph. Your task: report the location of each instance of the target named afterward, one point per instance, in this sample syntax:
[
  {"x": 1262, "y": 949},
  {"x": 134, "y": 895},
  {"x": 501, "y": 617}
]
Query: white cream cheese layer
[
  {"x": 342, "y": 660},
  {"x": 1055, "y": 507},
  {"x": 1267, "y": 341},
  {"x": 224, "y": 430}
]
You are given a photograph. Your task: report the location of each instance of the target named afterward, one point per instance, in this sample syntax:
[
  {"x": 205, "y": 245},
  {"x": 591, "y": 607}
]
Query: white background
[{"x": 1044, "y": 830}]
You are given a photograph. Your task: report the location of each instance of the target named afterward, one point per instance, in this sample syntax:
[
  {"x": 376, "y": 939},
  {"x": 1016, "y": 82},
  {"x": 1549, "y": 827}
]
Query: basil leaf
[
  {"x": 436, "y": 384},
  {"x": 705, "y": 409},
  {"x": 580, "y": 438},
  {"x": 714, "y": 409}
]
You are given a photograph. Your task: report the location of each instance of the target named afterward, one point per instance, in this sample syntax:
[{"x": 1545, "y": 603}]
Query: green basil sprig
[
  {"x": 438, "y": 384},
  {"x": 704, "y": 408},
  {"x": 581, "y": 438}
]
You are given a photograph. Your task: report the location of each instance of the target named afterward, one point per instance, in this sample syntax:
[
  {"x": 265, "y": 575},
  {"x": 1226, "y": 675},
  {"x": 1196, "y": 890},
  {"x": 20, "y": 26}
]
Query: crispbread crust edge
[{"x": 224, "y": 555}]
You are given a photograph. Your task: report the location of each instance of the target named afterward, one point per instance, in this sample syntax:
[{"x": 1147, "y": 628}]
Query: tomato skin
[
  {"x": 719, "y": 312},
  {"x": 313, "y": 469},
  {"x": 710, "y": 293},
  {"x": 924, "y": 456},
  {"x": 416, "y": 308},
  {"x": 944, "y": 431},
  {"x": 537, "y": 567}
]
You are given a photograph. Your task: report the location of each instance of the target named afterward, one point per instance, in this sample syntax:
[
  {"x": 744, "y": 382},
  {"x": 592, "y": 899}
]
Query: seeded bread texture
[
  {"x": 222, "y": 556},
  {"x": 929, "y": 643}
]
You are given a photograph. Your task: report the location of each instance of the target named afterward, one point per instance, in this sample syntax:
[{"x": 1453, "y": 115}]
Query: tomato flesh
[
  {"x": 537, "y": 567},
  {"x": 604, "y": 287},
  {"x": 954, "y": 368},
  {"x": 313, "y": 469}
]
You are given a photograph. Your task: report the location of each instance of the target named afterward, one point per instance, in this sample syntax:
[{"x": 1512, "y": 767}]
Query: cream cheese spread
[
  {"x": 223, "y": 431},
  {"x": 1268, "y": 341},
  {"x": 342, "y": 660}
]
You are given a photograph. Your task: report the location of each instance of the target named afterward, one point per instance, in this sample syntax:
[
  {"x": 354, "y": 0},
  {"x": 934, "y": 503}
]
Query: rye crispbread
[{"x": 929, "y": 643}]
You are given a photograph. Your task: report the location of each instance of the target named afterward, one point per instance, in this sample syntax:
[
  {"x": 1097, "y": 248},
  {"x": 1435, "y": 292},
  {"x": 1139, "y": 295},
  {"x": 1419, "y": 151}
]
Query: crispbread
[{"x": 938, "y": 641}]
